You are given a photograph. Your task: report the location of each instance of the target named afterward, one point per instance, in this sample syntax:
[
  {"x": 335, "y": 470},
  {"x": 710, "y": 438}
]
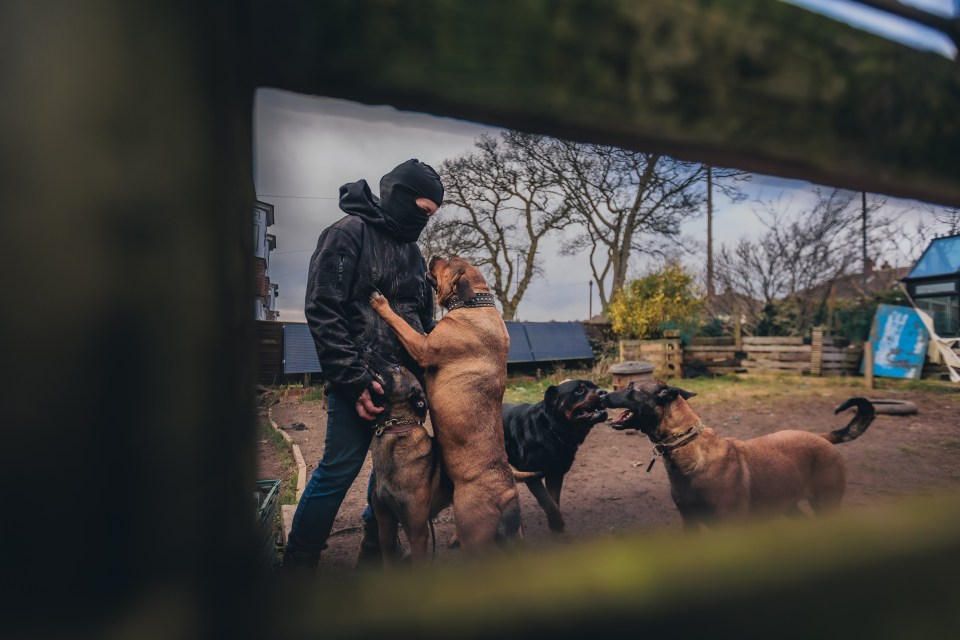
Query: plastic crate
[{"x": 266, "y": 500}]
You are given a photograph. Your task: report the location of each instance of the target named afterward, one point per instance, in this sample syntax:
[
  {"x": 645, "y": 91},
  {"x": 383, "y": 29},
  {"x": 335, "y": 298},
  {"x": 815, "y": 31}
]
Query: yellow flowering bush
[{"x": 665, "y": 299}]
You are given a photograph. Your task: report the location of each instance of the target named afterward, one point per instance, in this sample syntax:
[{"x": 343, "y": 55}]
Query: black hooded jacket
[{"x": 361, "y": 253}]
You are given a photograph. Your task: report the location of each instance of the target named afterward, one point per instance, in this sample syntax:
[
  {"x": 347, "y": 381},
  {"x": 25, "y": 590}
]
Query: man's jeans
[{"x": 345, "y": 448}]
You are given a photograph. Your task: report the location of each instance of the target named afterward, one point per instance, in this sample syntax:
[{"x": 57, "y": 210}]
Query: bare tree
[
  {"x": 624, "y": 202},
  {"x": 500, "y": 204},
  {"x": 947, "y": 219},
  {"x": 901, "y": 239},
  {"x": 797, "y": 254}
]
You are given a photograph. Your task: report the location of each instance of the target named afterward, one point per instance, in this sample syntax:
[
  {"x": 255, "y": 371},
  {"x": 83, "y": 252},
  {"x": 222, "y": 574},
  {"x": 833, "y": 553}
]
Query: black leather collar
[{"x": 479, "y": 300}]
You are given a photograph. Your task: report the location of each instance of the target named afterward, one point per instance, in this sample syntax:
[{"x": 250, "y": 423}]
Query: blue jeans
[{"x": 345, "y": 448}]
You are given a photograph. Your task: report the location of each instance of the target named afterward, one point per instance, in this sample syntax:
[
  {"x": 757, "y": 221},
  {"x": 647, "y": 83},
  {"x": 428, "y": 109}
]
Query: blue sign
[{"x": 899, "y": 342}]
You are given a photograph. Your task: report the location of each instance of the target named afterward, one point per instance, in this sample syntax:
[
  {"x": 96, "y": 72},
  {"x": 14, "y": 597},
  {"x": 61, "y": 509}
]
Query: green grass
[
  {"x": 909, "y": 450},
  {"x": 950, "y": 445},
  {"x": 313, "y": 394},
  {"x": 949, "y": 389},
  {"x": 275, "y": 440},
  {"x": 528, "y": 388}
]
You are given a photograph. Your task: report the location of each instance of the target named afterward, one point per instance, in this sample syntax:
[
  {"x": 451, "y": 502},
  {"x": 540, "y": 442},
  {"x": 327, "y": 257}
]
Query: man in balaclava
[{"x": 372, "y": 248}]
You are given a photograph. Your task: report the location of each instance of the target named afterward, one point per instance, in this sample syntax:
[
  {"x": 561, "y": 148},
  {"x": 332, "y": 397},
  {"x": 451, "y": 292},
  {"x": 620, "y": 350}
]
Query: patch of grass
[
  {"x": 526, "y": 389},
  {"x": 909, "y": 450},
  {"x": 949, "y": 445},
  {"x": 313, "y": 394},
  {"x": 949, "y": 389},
  {"x": 275, "y": 440}
]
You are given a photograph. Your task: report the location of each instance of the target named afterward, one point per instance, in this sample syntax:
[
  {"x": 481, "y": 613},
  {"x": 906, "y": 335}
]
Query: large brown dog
[
  {"x": 409, "y": 486},
  {"x": 465, "y": 364},
  {"x": 714, "y": 479}
]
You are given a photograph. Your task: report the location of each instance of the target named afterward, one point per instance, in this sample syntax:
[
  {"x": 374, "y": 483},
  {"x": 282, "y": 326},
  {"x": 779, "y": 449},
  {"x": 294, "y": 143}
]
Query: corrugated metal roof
[
  {"x": 299, "y": 352},
  {"x": 547, "y": 341}
]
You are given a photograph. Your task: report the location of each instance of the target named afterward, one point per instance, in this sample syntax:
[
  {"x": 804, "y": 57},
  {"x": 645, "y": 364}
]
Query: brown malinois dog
[
  {"x": 465, "y": 363},
  {"x": 714, "y": 479},
  {"x": 409, "y": 485}
]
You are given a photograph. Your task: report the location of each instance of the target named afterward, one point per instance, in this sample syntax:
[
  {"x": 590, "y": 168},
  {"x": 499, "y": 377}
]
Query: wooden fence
[{"x": 754, "y": 355}]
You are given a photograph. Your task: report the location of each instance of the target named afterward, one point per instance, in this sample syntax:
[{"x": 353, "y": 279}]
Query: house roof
[
  {"x": 942, "y": 257},
  {"x": 729, "y": 303},
  {"x": 267, "y": 208},
  {"x": 851, "y": 286}
]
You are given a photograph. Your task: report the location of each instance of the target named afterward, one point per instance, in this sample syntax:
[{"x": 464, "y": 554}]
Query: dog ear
[
  {"x": 550, "y": 397},
  {"x": 464, "y": 289},
  {"x": 667, "y": 395}
]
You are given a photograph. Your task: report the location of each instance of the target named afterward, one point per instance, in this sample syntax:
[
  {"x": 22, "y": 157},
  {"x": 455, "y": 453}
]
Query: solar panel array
[
  {"x": 529, "y": 342},
  {"x": 547, "y": 341}
]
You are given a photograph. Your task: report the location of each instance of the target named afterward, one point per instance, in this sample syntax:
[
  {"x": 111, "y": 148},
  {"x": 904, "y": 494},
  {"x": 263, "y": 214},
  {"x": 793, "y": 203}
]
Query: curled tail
[{"x": 859, "y": 423}]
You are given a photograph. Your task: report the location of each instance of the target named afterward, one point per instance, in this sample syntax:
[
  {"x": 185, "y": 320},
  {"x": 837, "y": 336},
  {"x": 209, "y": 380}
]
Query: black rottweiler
[{"x": 542, "y": 439}]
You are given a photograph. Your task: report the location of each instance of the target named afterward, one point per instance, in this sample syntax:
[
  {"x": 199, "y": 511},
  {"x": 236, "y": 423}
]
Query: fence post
[
  {"x": 868, "y": 364},
  {"x": 737, "y": 341},
  {"x": 816, "y": 352}
]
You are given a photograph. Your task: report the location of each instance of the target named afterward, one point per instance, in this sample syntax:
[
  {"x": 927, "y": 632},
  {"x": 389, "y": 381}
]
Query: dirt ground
[{"x": 609, "y": 493}]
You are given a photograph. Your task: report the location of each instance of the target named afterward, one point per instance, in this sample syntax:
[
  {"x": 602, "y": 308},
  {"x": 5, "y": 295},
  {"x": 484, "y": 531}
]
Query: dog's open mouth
[
  {"x": 622, "y": 421},
  {"x": 590, "y": 415}
]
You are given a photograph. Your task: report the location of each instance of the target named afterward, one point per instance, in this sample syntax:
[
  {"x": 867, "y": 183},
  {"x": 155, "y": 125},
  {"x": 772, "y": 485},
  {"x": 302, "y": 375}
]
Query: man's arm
[{"x": 329, "y": 286}]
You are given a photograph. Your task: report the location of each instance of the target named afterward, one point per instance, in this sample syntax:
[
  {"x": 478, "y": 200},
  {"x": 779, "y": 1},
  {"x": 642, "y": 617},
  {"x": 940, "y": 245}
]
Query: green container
[{"x": 265, "y": 497}]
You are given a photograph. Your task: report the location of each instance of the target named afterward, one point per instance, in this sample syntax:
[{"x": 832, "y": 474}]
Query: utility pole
[
  {"x": 710, "y": 290},
  {"x": 516, "y": 309},
  {"x": 590, "y": 314}
]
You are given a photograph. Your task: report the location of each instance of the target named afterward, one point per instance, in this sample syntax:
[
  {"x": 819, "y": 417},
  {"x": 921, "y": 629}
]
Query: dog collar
[
  {"x": 395, "y": 425},
  {"x": 479, "y": 300},
  {"x": 663, "y": 447},
  {"x": 559, "y": 439}
]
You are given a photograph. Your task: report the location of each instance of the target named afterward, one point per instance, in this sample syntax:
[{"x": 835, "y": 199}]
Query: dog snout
[{"x": 615, "y": 399}]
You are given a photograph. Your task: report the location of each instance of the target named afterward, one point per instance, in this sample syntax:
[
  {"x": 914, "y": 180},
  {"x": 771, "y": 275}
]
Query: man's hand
[{"x": 365, "y": 407}]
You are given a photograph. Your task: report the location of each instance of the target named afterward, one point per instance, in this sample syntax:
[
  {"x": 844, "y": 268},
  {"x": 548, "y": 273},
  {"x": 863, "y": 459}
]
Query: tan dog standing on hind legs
[
  {"x": 714, "y": 479},
  {"x": 465, "y": 363}
]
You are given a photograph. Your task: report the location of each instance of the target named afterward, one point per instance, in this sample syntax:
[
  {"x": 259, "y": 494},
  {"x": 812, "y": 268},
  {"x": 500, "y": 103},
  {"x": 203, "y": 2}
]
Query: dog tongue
[{"x": 623, "y": 417}]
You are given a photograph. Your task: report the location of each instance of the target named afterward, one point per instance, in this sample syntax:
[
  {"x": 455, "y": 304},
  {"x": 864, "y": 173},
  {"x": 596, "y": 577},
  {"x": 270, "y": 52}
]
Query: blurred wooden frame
[{"x": 127, "y": 183}]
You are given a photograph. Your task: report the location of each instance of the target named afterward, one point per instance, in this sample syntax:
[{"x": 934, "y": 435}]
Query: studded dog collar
[{"x": 479, "y": 300}]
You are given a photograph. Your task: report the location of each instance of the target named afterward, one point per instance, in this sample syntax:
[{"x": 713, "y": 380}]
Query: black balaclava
[{"x": 399, "y": 191}]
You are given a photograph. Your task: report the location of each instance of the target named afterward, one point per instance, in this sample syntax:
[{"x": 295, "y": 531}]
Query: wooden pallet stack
[
  {"x": 841, "y": 361},
  {"x": 776, "y": 355},
  {"x": 665, "y": 355}
]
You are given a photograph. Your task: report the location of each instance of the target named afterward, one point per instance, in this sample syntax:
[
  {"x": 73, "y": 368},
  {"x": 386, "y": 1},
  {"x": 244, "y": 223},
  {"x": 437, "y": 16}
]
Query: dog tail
[
  {"x": 859, "y": 423},
  {"x": 525, "y": 475}
]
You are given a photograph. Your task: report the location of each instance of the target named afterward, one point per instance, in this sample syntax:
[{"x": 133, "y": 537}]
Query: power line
[
  {"x": 292, "y": 273},
  {"x": 269, "y": 195},
  {"x": 280, "y": 253}
]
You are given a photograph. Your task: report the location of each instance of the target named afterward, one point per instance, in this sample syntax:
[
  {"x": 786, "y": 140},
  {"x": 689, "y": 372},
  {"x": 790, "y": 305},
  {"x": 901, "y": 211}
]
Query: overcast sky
[{"x": 306, "y": 147}]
